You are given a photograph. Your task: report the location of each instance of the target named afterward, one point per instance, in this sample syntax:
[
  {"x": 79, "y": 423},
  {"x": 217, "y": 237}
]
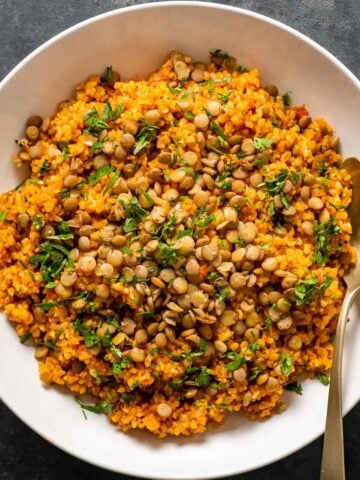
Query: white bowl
[{"x": 135, "y": 41}]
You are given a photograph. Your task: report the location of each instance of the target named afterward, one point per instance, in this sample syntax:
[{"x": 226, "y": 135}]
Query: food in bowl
[{"x": 178, "y": 248}]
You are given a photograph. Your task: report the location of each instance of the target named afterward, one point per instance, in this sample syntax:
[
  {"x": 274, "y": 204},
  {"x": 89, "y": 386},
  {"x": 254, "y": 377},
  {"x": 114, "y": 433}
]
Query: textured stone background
[{"x": 24, "y": 25}]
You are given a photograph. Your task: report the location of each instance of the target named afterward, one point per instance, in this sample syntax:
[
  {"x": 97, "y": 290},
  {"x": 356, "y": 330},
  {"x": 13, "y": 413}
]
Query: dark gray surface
[{"x": 24, "y": 25}]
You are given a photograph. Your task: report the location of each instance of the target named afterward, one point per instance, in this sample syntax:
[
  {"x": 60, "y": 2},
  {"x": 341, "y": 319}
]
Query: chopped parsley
[
  {"x": 2, "y": 216},
  {"x": 287, "y": 99},
  {"x": 144, "y": 137},
  {"x": 166, "y": 227},
  {"x": 114, "y": 178},
  {"x": 190, "y": 172},
  {"x": 286, "y": 363},
  {"x": 217, "y": 53},
  {"x": 64, "y": 147},
  {"x": 323, "y": 377},
  {"x": 237, "y": 361},
  {"x": 276, "y": 185},
  {"x": 213, "y": 275},
  {"x": 90, "y": 337},
  {"x": 260, "y": 161},
  {"x": 226, "y": 97},
  {"x": 96, "y": 146},
  {"x": 323, "y": 233},
  {"x": 177, "y": 89},
  {"x": 44, "y": 166},
  {"x": 189, "y": 115},
  {"x": 204, "y": 378},
  {"x": 100, "y": 407},
  {"x": 262, "y": 144},
  {"x": 25, "y": 338},
  {"x": 38, "y": 222},
  {"x": 107, "y": 75},
  {"x": 241, "y": 69},
  {"x": 223, "y": 294},
  {"x": 94, "y": 122},
  {"x": 52, "y": 343},
  {"x": 130, "y": 225},
  {"x": 220, "y": 133},
  {"x": 118, "y": 368},
  {"x": 305, "y": 291},
  {"x": 168, "y": 254},
  {"x": 52, "y": 259},
  {"x": 101, "y": 172},
  {"x": 294, "y": 387},
  {"x": 268, "y": 323}
]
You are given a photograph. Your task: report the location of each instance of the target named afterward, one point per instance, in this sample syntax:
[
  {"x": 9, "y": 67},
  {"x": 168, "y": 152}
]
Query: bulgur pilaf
[{"x": 178, "y": 248}]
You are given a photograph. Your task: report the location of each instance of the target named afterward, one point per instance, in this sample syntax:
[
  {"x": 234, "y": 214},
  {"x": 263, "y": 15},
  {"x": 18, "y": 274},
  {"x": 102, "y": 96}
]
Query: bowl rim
[{"x": 123, "y": 10}]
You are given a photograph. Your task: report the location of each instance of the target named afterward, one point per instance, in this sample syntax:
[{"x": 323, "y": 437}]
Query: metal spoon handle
[{"x": 332, "y": 464}]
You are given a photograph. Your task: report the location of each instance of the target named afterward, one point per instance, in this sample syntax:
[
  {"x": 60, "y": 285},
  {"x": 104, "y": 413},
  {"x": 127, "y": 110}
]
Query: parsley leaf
[
  {"x": 217, "y": 53},
  {"x": 305, "y": 291},
  {"x": 189, "y": 115},
  {"x": 237, "y": 361},
  {"x": 101, "y": 172},
  {"x": 168, "y": 254},
  {"x": 100, "y": 407},
  {"x": 216, "y": 128},
  {"x": 204, "y": 377},
  {"x": 287, "y": 99},
  {"x": 107, "y": 75},
  {"x": 144, "y": 138},
  {"x": 90, "y": 337},
  {"x": 323, "y": 377},
  {"x": 25, "y": 338},
  {"x": 294, "y": 387},
  {"x": 52, "y": 343},
  {"x": 51, "y": 259},
  {"x": 323, "y": 233},
  {"x": 94, "y": 122},
  {"x": 44, "y": 166},
  {"x": 130, "y": 225},
  {"x": 118, "y": 368},
  {"x": 286, "y": 363},
  {"x": 38, "y": 222},
  {"x": 64, "y": 147},
  {"x": 261, "y": 144},
  {"x": 276, "y": 185}
]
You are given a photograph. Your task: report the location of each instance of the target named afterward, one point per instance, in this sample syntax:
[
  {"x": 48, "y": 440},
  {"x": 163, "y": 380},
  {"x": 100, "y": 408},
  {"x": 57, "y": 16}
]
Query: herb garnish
[
  {"x": 44, "y": 166},
  {"x": 144, "y": 137},
  {"x": 118, "y": 368},
  {"x": 52, "y": 259},
  {"x": 217, "y": 53},
  {"x": 323, "y": 233},
  {"x": 101, "y": 172},
  {"x": 262, "y": 144},
  {"x": 276, "y": 185},
  {"x": 107, "y": 75},
  {"x": 286, "y": 363},
  {"x": 294, "y": 387},
  {"x": 287, "y": 99},
  {"x": 323, "y": 377},
  {"x": 25, "y": 338},
  {"x": 168, "y": 254},
  {"x": 237, "y": 361},
  {"x": 64, "y": 147},
  {"x": 100, "y": 407},
  {"x": 52, "y": 343}
]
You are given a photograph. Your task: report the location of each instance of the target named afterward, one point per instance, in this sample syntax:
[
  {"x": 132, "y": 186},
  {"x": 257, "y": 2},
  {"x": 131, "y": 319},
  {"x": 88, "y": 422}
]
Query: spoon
[{"x": 332, "y": 464}]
